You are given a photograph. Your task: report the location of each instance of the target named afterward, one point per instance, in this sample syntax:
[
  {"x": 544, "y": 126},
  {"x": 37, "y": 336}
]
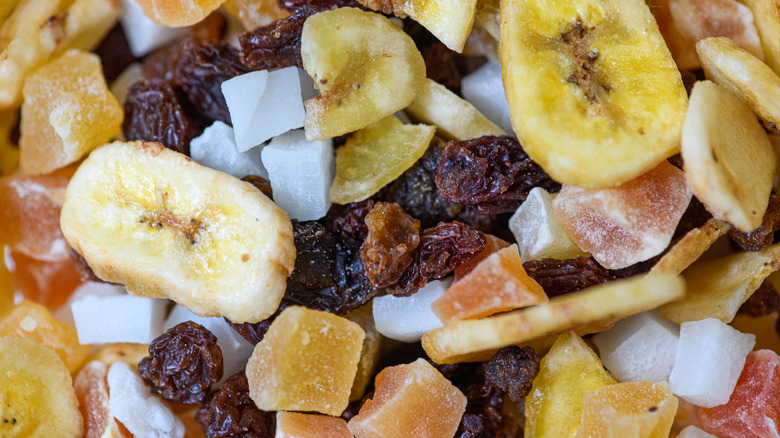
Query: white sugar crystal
[
  {"x": 406, "y": 319},
  {"x": 301, "y": 173},
  {"x": 216, "y": 148},
  {"x": 640, "y": 348},
  {"x": 143, "y": 34},
  {"x": 709, "y": 359},
  {"x": 132, "y": 404},
  {"x": 235, "y": 349},
  {"x": 90, "y": 288},
  {"x": 122, "y": 318},
  {"x": 483, "y": 89},
  {"x": 263, "y": 105},
  {"x": 537, "y": 231},
  {"x": 694, "y": 432}
]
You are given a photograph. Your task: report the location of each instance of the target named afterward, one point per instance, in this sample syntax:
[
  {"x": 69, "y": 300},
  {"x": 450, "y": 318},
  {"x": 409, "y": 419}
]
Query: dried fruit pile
[{"x": 369, "y": 219}]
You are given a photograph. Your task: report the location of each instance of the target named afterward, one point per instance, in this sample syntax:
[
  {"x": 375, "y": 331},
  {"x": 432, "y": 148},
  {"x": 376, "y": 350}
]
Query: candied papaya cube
[
  {"x": 412, "y": 400},
  {"x": 630, "y": 409},
  {"x": 68, "y": 110},
  {"x": 492, "y": 244},
  {"x": 297, "y": 425},
  {"x": 497, "y": 284},
  {"x": 369, "y": 354},
  {"x": 47, "y": 283},
  {"x": 754, "y": 407},
  {"x": 307, "y": 361}
]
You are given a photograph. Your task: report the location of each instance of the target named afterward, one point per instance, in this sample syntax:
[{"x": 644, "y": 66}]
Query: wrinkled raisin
[
  {"x": 155, "y": 112},
  {"x": 764, "y": 301},
  {"x": 764, "y": 235},
  {"x": 294, "y": 5},
  {"x": 493, "y": 174},
  {"x": 392, "y": 237},
  {"x": 254, "y": 332},
  {"x": 559, "y": 277},
  {"x": 278, "y": 44},
  {"x": 114, "y": 53},
  {"x": 200, "y": 72},
  {"x": 82, "y": 267},
  {"x": 231, "y": 413},
  {"x": 442, "y": 249},
  {"x": 183, "y": 363},
  {"x": 694, "y": 217},
  {"x": 261, "y": 184},
  {"x": 440, "y": 65},
  {"x": 513, "y": 369},
  {"x": 483, "y": 417},
  {"x": 350, "y": 219}
]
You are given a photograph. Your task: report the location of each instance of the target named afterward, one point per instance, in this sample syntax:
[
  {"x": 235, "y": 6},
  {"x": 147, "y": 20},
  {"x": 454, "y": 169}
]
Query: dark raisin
[
  {"x": 442, "y": 249},
  {"x": 483, "y": 417},
  {"x": 254, "y": 332},
  {"x": 261, "y": 184},
  {"x": 183, "y": 363},
  {"x": 559, "y": 277},
  {"x": 392, "y": 237},
  {"x": 513, "y": 369},
  {"x": 82, "y": 267},
  {"x": 294, "y": 5},
  {"x": 441, "y": 67},
  {"x": 493, "y": 174},
  {"x": 349, "y": 219},
  {"x": 764, "y": 235},
  {"x": 278, "y": 44},
  {"x": 114, "y": 53},
  {"x": 694, "y": 217},
  {"x": 154, "y": 112},
  {"x": 764, "y": 301},
  {"x": 231, "y": 413}
]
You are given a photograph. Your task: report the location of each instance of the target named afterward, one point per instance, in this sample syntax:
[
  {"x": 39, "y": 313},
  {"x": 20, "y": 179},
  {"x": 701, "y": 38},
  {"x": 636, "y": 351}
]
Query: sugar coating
[
  {"x": 484, "y": 89},
  {"x": 623, "y": 225},
  {"x": 406, "y": 319},
  {"x": 294, "y": 367},
  {"x": 538, "y": 232},
  {"x": 709, "y": 359},
  {"x": 640, "y": 348},
  {"x": 301, "y": 173},
  {"x": 140, "y": 412},
  {"x": 297, "y": 425},
  {"x": 413, "y": 400},
  {"x": 216, "y": 148},
  {"x": 122, "y": 318},
  {"x": 694, "y": 432},
  {"x": 143, "y": 34}
]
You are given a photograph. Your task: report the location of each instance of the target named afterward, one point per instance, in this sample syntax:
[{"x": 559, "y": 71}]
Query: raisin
[
  {"x": 294, "y": 5},
  {"x": 82, "y": 267},
  {"x": 231, "y": 413},
  {"x": 764, "y": 235},
  {"x": 349, "y": 219},
  {"x": 441, "y": 67},
  {"x": 278, "y": 44},
  {"x": 694, "y": 217},
  {"x": 183, "y": 363},
  {"x": 442, "y": 249},
  {"x": 513, "y": 369},
  {"x": 483, "y": 417},
  {"x": 559, "y": 277},
  {"x": 261, "y": 184},
  {"x": 154, "y": 112},
  {"x": 764, "y": 301},
  {"x": 254, "y": 332},
  {"x": 387, "y": 251},
  {"x": 114, "y": 53},
  {"x": 493, "y": 174}
]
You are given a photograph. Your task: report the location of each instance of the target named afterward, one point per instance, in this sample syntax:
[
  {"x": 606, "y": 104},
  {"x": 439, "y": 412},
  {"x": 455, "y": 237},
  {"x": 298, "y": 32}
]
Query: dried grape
[
  {"x": 261, "y": 184},
  {"x": 230, "y": 413},
  {"x": 294, "y": 5},
  {"x": 764, "y": 235},
  {"x": 513, "y": 369},
  {"x": 114, "y": 52},
  {"x": 559, "y": 277},
  {"x": 764, "y": 301},
  {"x": 392, "y": 237},
  {"x": 483, "y": 417},
  {"x": 440, "y": 65},
  {"x": 349, "y": 219}
]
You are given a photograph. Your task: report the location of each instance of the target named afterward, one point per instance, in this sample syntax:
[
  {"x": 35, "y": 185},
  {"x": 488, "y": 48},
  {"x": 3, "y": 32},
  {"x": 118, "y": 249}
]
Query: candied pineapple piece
[
  {"x": 413, "y": 400},
  {"x": 492, "y": 244},
  {"x": 497, "y": 284},
  {"x": 375, "y": 156},
  {"x": 178, "y": 13},
  {"x": 68, "y": 110},
  {"x": 255, "y": 13},
  {"x": 369, "y": 354},
  {"x": 297, "y": 425},
  {"x": 631, "y": 409},
  {"x": 294, "y": 367},
  {"x": 30, "y": 320},
  {"x": 570, "y": 370}
]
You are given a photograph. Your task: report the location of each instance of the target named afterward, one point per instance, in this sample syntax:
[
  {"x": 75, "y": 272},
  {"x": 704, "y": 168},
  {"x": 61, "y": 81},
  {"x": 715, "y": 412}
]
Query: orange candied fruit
[
  {"x": 47, "y": 283},
  {"x": 499, "y": 283},
  {"x": 297, "y": 425},
  {"x": 92, "y": 393},
  {"x": 492, "y": 244}
]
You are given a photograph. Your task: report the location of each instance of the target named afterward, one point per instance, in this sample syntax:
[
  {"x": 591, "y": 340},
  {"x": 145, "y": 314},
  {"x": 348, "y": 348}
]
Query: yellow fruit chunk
[
  {"x": 178, "y": 13},
  {"x": 295, "y": 425},
  {"x": 631, "y": 409},
  {"x": 690, "y": 247},
  {"x": 570, "y": 370},
  {"x": 30, "y": 320},
  {"x": 766, "y": 14},
  {"x": 255, "y": 13},
  {"x": 375, "y": 156},
  {"x": 37, "y": 393},
  {"x": 28, "y": 14},
  {"x": 369, "y": 354},
  {"x": 6, "y": 7},
  {"x": 306, "y": 362},
  {"x": 594, "y": 95},
  {"x": 67, "y": 111},
  {"x": 413, "y": 400}
]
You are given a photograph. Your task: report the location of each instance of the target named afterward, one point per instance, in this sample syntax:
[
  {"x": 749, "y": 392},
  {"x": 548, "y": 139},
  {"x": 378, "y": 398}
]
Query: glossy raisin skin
[
  {"x": 349, "y": 220},
  {"x": 764, "y": 235},
  {"x": 441, "y": 67},
  {"x": 114, "y": 52},
  {"x": 513, "y": 369},
  {"x": 183, "y": 363},
  {"x": 493, "y": 174},
  {"x": 261, "y": 184},
  {"x": 560, "y": 277},
  {"x": 764, "y": 301},
  {"x": 231, "y": 413},
  {"x": 386, "y": 252},
  {"x": 294, "y": 5},
  {"x": 483, "y": 417}
]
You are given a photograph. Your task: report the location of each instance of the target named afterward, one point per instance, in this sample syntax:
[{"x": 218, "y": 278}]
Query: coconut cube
[
  {"x": 121, "y": 318},
  {"x": 406, "y": 319},
  {"x": 143, "y": 34},
  {"x": 216, "y": 148},
  {"x": 484, "y": 89}
]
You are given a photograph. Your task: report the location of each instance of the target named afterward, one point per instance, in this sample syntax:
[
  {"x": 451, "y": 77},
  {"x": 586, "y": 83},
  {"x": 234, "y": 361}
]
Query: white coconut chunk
[
  {"x": 694, "y": 432},
  {"x": 122, "y": 318},
  {"x": 216, "y": 148},
  {"x": 406, "y": 319},
  {"x": 143, "y": 34},
  {"x": 484, "y": 89}
]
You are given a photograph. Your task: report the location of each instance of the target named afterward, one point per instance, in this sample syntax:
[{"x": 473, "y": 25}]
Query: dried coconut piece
[
  {"x": 407, "y": 319},
  {"x": 688, "y": 249},
  {"x": 718, "y": 287},
  {"x": 91, "y": 390},
  {"x": 413, "y": 400},
  {"x": 297, "y": 425},
  {"x": 293, "y": 368},
  {"x": 623, "y": 225},
  {"x": 598, "y": 306},
  {"x": 144, "y": 35}
]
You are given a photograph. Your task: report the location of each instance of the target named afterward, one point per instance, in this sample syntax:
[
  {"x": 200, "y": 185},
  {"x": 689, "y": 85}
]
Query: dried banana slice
[
  {"x": 593, "y": 92},
  {"x": 690, "y": 247},
  {"x": 165, "y": 226},
  {"x": 767, "y": 16}
]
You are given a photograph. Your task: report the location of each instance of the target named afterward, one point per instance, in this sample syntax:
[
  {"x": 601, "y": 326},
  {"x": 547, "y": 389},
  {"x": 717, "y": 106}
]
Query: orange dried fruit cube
[
  {"x": 413, "y": 400},
  {"x": 30, "y": 320},
  {"x": 297, "y": 425},
  {"x": 369, "y": 354},
  {"x": 68, "y": 110},
  {"x": 178, "y": 13},
  {"x": 497, "y": 284},
  {"x": 492, "y": 244},
  {"x": 630, "y": 409},
  {"x": 92, "y": 393},
  {"x": 47, "y": 283},
  {"x": 255, "y": 13},
  {"x": 294, "y": 367}
]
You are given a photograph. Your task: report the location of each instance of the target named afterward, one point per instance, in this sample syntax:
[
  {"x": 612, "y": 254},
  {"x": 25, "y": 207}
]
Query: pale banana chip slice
[
  {"x": 28, "y": 14},
  {"x": 767, "y": 19},
  {"x": 718, "y": 287},
  {"x": 688, "y": 249},
  {"x": 487, "y": 16},
  {"x": 6, "y": 8},
  {"x": 596, "y": 306},
  {"x": 734, "y": 68},
  {"x": 729, "y": 161}
]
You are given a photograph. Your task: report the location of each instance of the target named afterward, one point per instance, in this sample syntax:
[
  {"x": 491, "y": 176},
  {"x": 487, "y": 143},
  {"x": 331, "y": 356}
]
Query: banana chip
[
  {"x": 599, "y": 305},
  {"x": 28, "y": 14},
  {"x": 767, "y": 18},
  {"x": 688, "y": 249}
]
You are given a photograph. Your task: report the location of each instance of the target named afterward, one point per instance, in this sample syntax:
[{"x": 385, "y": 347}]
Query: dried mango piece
[
  {"x": 178, "y": 13},
  {"x": 47, "y": 283},
  {"x": 492, "y": 244},
  {"x": 369, "y": 354},
  {"x": 297, "y": 425}
]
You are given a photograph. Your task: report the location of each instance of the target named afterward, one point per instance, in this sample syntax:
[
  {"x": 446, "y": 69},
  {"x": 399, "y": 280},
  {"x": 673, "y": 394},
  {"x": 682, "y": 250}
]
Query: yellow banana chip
[{"x": 688, "y": 249}]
